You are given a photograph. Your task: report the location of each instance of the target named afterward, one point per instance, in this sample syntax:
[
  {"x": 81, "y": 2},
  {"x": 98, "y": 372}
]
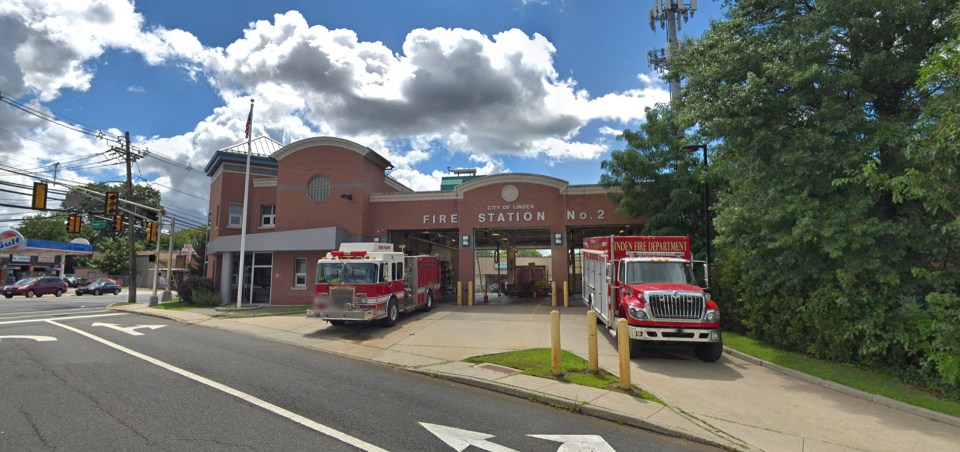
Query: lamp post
[{"x": 706, "y": 195}]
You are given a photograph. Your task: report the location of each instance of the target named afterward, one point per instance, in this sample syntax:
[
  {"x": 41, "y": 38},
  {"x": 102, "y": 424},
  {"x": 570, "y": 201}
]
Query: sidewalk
[{"x": 736, "y": 403}]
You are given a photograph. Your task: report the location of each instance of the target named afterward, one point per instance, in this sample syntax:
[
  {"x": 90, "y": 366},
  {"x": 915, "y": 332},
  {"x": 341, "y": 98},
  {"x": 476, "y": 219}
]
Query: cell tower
[{"x": 666, "y": 13}]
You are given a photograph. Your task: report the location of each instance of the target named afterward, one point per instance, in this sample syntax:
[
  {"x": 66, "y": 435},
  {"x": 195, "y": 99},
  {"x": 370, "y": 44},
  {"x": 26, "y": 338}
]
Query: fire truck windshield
[
  {"x": 346, "y": 273},
  {"x": 658, "y": 272}
]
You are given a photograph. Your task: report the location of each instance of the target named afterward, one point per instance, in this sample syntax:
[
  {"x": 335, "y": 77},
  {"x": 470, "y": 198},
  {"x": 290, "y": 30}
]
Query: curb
[
  {"x": 539, "y": 397},
  {"x": 881, "y": 400},
  {"x": 572, "y": 405}
]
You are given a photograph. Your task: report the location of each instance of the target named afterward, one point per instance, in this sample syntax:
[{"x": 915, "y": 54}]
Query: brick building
[{"x": 309, "y": 196}]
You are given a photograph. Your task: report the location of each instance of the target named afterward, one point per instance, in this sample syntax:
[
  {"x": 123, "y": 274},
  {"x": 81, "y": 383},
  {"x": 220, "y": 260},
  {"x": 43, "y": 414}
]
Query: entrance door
[
  {"x": 256, "y": 277},
  {"x": 260, "y": 281}
]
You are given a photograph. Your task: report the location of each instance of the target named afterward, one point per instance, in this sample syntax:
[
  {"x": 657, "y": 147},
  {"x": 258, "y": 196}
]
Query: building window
[
  {"x": 318, "y": 189},
  {"x": 300, "y": 272},
  {"x": 236, "y": 211},
  {"x": 268, "y": 216}
]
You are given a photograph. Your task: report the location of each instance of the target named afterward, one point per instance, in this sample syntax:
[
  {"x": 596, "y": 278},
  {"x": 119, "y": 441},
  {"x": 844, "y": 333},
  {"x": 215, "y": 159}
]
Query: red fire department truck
[
  {"x": 649, "y": 281},
  {"x": 365, "y": 282}
]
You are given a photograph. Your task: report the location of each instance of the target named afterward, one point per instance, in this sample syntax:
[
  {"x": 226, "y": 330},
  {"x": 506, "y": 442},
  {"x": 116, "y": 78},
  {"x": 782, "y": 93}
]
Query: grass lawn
[
  {"x": 286, "y": 310},
  {"x": 537, "y": 362},
  {"x": 174, "y": 306},
  {"x": 864, "y": 380}
]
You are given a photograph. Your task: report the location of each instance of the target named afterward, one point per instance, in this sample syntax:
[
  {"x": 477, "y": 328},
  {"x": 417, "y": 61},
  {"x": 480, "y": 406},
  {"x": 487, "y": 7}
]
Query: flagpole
[{"x": 243, "y": 224}]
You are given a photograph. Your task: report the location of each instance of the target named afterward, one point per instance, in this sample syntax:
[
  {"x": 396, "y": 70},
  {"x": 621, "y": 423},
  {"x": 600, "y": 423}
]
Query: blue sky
[{"x": 499, "y": 85}]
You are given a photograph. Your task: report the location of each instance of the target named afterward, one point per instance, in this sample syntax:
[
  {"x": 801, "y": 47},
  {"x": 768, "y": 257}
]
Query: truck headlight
[
  {"x": 637, "y": 313},
  {"x": 713, "y": 316}
]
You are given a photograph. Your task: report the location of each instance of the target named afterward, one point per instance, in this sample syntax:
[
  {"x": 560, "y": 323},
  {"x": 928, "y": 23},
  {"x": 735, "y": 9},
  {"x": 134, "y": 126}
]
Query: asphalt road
[
  {"x": 66, "y": 301},
  {"x": 85, "y": 379}
]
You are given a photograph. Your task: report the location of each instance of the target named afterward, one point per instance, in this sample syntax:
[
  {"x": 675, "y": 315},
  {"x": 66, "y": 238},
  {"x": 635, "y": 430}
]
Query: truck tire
[
  {"x": 393, "y": 311},
  {"x": 636, "y": 347},
  {"x": 429, "y": 304},
  {"x": 709, "y": 352}
]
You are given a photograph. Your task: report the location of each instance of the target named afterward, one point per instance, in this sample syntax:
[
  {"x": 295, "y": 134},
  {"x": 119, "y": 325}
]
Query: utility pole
[
  {"x": 131, "y": 230},
  {"x": 666, "y": 12}
]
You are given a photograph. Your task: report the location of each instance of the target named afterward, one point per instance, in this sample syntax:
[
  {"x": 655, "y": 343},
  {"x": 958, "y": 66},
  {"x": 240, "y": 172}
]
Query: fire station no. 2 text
[{"x": 511, "y": 213}]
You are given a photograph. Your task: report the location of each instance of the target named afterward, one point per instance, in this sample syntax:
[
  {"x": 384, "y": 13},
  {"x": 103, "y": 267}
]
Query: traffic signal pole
[
  {"x": 154, "y": 300},
  {"x": 167, "y": 296}
]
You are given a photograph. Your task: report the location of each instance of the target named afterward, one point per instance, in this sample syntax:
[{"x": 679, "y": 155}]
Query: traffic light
[
  {"x": 117, "y": 223},
  {"x": 74, "y": 224},
  {"x": 151, "y": 231},
  {"x": 112, "y": 201},
  {"x": 39, "y": 196}
]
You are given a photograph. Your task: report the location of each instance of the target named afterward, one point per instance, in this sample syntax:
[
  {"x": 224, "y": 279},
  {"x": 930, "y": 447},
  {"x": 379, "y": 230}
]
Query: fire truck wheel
[
  {"x": 392, "y": 313},
  {"x": 429, "y": 304},
  {"x": 337, "y": 322},
  {"x": 636, "y": 347},
  {"x": 709, "y": 352}
]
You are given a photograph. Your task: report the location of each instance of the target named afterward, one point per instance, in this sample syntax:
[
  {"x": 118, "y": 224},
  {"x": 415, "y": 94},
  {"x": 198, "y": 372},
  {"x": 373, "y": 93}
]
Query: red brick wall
[
  {"x": 222, "y": 198},
  {"x": 295, "y": 210},
  {"x": 282, "y": 290}
]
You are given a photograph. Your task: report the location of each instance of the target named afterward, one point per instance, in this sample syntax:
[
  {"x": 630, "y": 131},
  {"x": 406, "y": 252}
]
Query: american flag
[{"x": 249, "y": 123}]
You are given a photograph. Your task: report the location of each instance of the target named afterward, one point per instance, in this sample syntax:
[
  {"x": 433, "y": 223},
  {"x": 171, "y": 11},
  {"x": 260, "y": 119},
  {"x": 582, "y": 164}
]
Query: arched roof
[
  {"x": 305, "y": 143},
  {"x": 517, "y": 178}
]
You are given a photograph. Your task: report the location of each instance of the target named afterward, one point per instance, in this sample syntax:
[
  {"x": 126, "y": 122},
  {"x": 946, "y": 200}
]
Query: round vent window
[{"x": 318, "y": 188}]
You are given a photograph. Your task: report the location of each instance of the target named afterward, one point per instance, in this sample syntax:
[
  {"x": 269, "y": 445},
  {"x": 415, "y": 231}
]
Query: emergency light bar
[{"x": 348, "y": 254}]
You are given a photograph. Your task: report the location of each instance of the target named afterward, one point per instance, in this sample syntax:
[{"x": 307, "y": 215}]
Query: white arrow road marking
[
  {"x": 36, "y": 338},
  {"x": 13, "y": 322},
  {"x": 329, "y": 431},
  {"x": 462, "y": 439},
  {"x": 131, "y": 330},
  {"x": 578, "y": 443}
]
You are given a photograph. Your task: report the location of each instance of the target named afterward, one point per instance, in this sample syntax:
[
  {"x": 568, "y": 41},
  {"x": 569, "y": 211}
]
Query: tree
[
  {"x": 113, "y": 258},
  {"x": 196, "y": 237},
  {"x": 93, "y": 205},
  {"x": 45, "y": 227},
  {"x": 658, "y": 179},
  {"x": 811, "y": 106},
  {"x": 525, "y": 253}
]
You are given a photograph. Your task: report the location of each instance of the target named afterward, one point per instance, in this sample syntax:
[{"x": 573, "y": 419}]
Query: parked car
[
  {"x": 99, "y": 288},
  {"x": 74, "y": 281},
  {"x": 117, "y": 282},
  {"x": 38, "y": 287}
]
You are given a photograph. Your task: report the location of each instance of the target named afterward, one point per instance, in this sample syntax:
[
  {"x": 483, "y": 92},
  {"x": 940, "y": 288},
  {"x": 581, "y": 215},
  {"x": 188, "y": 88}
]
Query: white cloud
[
  {"x": 610, "y": 131},
  {"x": 444, "y": 90}
]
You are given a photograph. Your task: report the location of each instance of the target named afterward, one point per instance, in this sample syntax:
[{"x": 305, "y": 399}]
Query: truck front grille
[
  {"x": 676, "y": 305},
  {"x": 341, "y": 297}
]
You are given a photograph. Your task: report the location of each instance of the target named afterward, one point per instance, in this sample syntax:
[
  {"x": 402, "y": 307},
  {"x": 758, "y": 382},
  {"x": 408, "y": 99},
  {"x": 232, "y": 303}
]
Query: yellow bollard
[
  {"x": 555, "y": 342},
  {"x": 459, "y": 293},
  {"x": 623, "y": 346},
  {"x": 566, "y": 294},
  {"x": 470, "y": 294},
  {"x": 592, "y": 340},
  {"x": 553, "y": 293}
]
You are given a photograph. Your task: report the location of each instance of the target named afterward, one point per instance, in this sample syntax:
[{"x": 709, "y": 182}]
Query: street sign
[{"x": 97, "y": 224}]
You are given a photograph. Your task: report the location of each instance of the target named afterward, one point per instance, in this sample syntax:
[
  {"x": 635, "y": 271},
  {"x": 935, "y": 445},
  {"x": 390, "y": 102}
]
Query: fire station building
[{"x": 308, "y": 197}]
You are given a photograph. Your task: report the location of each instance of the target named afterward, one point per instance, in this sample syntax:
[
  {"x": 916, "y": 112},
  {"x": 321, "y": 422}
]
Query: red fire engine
[
  {"x": 365, "y": 282},
  {"x": 649, "y": 281}
]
